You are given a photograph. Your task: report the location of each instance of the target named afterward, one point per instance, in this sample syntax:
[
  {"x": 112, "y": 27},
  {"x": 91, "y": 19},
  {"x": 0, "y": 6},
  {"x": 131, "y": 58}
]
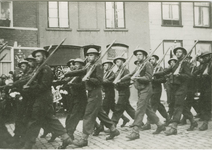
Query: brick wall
[{"x": 25, "y": 38}]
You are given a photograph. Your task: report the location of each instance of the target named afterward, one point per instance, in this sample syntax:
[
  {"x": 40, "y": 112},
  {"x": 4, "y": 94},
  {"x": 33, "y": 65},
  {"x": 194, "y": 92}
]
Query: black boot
[
  {"x": 133, "y": 136},
  {"x": 113, "y": 134},
  {"x": 52, "y": 138},
  {"x": 125, "y": 122},
  {"x": 171, "y": 131},
  {"x": 98, "y": 130},
  {"x": 80, "y": 143},
  {"x": 159, "y": 129},
  {"x": 146, "y": 127},
  {"x": 192, "y": 126},
  {"x": 65, "y": 143},
  {"x": 204, "y": 126}
]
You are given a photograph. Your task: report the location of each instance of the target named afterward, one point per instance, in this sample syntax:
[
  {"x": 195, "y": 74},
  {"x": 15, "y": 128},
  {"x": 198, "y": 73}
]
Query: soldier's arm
[
  {"x": 128, "y": 75},
  {"x": 80, "y": 72},
  {"x": 186, "y": 71},
  {"x": 148, "y": 74},
  {"x": 98, "y": 77},
  {"x": 125, "y": 82},
  {"x": 161, "y": 79},
  {"x": 164, "y": 72},
  {"x": 110, "y": 79}
]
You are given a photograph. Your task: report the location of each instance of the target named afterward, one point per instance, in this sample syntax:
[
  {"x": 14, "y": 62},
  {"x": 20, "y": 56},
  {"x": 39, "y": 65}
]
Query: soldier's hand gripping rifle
[
  {"x": 92, "y": 68},
  {"x": 185, "y": 57},
  {"x": 141, "y": 67},
  {"x": 41, "y": 66},
  {"x": 122, "y": 70},
  {"x": 107, "y": 74},
  {"x": 159, "y": 62}
]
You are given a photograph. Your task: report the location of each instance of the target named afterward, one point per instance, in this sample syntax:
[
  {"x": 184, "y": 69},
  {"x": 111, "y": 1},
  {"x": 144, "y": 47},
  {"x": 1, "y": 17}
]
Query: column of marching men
[{"x": 88, "y": 79}]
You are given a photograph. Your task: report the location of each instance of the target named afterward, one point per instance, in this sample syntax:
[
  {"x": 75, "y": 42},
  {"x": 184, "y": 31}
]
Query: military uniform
[
  {"x": 157, "y": 90},
  {"x": 77, "y": 110},
  {"x": 42, "y": 110},
  {"x": 123, "y": 103}
]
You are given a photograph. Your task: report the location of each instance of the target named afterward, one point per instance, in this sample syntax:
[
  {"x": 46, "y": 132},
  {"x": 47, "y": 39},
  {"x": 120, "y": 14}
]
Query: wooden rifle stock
[
  {"x": 122, "y": 70},
  {"x": 107, "y": 74},
  {"x": 140, "y": 68},
  {"x": 180, "y": 62},
  {"x": 40, "y": 67},
  {"x": 92, "y": 68}
]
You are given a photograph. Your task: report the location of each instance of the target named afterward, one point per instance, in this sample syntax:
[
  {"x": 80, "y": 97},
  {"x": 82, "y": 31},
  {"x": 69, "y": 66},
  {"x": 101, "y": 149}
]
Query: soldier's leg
[
  {"x": 206, "y": 112},
  {"x": 74, "y": 117}
]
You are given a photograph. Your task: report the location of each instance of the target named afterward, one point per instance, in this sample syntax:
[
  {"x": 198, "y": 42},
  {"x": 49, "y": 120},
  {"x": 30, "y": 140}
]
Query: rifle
[
  {"x": 141, "y": 67},
  {"x": 3, "y": 57},
  {"x": 122, "y": 70},
  {"x": 92, "y": 68},
  {"x": 107, "y": 74},
  {"x": 159, "y": 62},
  {"x": 188, "y": 54},
  {"x": 41, "y": 66}
]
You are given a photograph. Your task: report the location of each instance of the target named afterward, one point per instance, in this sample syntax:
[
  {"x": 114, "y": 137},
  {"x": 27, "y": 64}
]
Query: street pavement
[{"x": 183, "y": 140}]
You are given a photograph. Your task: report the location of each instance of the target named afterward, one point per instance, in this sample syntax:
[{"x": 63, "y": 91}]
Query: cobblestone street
[{"x": 183, "y": 140}]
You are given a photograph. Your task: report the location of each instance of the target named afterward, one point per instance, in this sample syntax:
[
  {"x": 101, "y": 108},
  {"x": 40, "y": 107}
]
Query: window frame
[
  {"x": 171, "y": 25},
  {"x": 210, "y": 14},
  {"x": 58, "y": 16},
  {"x": 115, "y": 23},
  {"x": 11, "y": 14}
]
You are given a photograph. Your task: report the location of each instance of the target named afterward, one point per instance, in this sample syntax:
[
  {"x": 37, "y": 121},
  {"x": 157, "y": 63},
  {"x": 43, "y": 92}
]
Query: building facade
[{"x": 27, "y": 25}]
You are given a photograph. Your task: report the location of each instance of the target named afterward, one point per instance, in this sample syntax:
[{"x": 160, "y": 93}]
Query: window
[
  {"x": 115, "y": 15},
  {"x": 171, "y": 14},
  {"x": 58, "y": 15},
  {"x": 201, "y": 14},
  {"x": 203, "y": 46},
  {"x": 6, "y": 14},
  {"x": 118, "y": 49}
]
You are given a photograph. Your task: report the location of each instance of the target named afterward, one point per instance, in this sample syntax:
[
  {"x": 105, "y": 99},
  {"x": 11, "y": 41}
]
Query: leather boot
[
  {"x": 159, "y": 129},
  {"x": 52, "y": 138},
  {"x": 204, "y": 126},
  {"x": 65, "y": 143},
  {"x": 81, "y": 142},
  {"x": 171, "y": 131},
  {"x": 146, "y": 127},
  {"x": 125, "y": 122},
  {"x": 192, "y": 126},
  {"x": 98, "y": 130},
  {"x": 133, "y": 136},
  {"x": 183, "y": 121},
  {"x": 113, "y": 134}
]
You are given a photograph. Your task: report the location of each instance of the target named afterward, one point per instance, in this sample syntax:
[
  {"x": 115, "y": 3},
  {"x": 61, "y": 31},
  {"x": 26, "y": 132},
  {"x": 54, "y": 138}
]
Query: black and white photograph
[{"x": 105, "y": 74}]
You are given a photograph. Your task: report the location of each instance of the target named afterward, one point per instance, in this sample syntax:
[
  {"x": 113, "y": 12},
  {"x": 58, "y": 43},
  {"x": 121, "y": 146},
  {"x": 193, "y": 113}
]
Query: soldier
[
  {"x": 205, "y": 71},
  {"x": 70, "y": 64},
  {"x": 144, "y": 87},
  {"x": 21, "y": 104},
  {"x": 109, "y": 99},
  {"x": 42, "y": 111},
  {"x": 170, "y": 98},
  {"x": 179, "y": 84},
  {"x": 156, "y": 93},
  {"x": 123, "y": 103},
  {"x": 93, "y": 108},
  {"x": 79, "y": 98}
]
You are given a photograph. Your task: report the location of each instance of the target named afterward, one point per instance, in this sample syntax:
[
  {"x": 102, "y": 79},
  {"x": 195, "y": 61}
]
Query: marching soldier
[
  {"x": 109, "y": 99},
  {"x": 205, "y": 71},
  {"x": 79, "y": 98},
  {"x": 170, "y": 97},
  {"x": 156, "y": 93},
  {"x": 93, "y": 108},
  {"x": 144, "y": 87},
  {"x": 179, "y": 84},
  {"x": 42, "y": 111},
  {"x": 123, "y": 103}
]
